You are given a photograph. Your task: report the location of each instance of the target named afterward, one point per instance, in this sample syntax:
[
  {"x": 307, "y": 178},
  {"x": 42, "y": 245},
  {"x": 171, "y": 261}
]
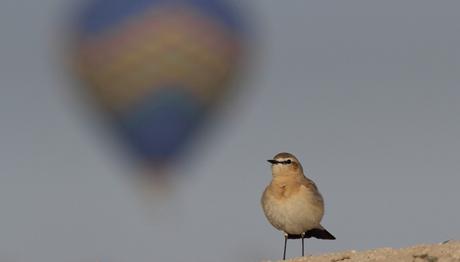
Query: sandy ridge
[{"x": 448, "y": 251}]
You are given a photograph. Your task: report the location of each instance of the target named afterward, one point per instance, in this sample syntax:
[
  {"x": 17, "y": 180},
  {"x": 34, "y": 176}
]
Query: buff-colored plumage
[{"x": 292, "y": 202}]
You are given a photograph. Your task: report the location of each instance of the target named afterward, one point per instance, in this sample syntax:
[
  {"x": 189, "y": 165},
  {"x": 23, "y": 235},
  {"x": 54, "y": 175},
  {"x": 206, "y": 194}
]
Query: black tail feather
[{"x": 319, "y": 233}]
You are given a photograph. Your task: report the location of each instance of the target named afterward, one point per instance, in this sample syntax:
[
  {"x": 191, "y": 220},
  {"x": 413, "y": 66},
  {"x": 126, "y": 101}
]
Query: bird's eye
[{"x": 288, "y": 161}]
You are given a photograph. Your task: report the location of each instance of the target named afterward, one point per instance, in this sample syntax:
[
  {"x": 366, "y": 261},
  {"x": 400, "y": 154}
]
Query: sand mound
[{"x": 448, "y": 251}]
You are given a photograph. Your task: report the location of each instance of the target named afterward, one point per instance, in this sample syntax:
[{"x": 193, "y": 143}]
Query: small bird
[{"x": 292, "y": 202}]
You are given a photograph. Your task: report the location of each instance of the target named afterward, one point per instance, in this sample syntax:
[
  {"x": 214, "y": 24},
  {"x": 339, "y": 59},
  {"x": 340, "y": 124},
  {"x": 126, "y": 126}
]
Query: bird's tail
[{"x": 320, "y": 233}]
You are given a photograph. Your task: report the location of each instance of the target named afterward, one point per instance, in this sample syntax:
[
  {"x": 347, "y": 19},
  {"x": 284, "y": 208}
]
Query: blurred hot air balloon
[{"x": 158, "y": 67}]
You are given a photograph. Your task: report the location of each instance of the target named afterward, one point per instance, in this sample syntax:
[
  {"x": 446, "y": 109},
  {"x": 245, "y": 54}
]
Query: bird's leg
[
  {"x": 303, "y": 237},
  {"x": 285, "y": 243}
]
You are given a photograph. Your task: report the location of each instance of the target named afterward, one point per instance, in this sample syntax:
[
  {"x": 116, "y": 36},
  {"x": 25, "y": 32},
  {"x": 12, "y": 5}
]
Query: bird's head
[{"x": 285, "y": 164}]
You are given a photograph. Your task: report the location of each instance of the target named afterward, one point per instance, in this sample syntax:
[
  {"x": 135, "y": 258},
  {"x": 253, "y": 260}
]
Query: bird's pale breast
[{"x": 296, "y": 213}]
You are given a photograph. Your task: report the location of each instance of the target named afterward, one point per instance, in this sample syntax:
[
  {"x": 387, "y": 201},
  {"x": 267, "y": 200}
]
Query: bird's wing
[{"x": 310, "y": 185}]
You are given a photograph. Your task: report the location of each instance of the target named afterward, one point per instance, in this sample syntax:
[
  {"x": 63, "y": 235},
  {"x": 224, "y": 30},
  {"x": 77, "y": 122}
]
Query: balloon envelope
[{"x": 158, "y": 67}]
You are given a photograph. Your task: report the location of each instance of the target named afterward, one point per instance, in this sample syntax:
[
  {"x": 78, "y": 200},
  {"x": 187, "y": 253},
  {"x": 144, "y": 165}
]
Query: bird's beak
[{"x": 272, "y": 161}]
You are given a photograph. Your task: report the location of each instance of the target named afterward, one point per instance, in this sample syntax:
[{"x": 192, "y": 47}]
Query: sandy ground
[{"x": 448, "y": 251}]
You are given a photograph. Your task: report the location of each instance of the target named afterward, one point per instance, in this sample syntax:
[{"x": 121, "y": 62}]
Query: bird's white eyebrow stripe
[{"x": 281, "y": 159}]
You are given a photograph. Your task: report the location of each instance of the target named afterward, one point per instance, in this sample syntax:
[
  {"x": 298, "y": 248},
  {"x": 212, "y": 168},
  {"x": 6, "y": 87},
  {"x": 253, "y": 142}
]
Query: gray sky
[{"x": 365, "y": 93}]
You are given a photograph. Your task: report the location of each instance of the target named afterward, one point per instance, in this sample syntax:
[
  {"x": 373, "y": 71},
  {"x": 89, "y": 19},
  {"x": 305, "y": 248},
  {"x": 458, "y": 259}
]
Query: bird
[{"x": 292, "y": 202}]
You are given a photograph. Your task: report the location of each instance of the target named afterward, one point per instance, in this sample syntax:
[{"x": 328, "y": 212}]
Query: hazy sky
[{"x": 365, "y": 93}]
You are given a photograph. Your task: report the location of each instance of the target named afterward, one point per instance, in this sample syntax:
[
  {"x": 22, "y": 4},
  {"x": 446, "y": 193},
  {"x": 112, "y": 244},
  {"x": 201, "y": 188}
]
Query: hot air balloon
[{"x": 157, "y": 68}]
